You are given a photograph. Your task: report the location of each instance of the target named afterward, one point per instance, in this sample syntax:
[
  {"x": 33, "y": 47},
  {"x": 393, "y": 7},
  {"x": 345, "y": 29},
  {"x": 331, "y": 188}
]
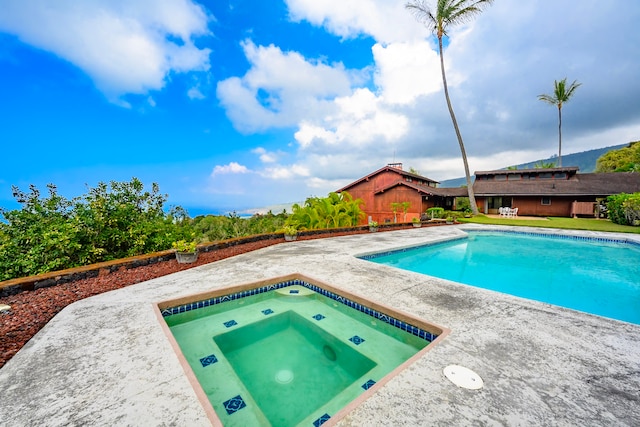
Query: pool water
[
  {"x": 597, "y": 277},
  {"x": 321, "y": 366},
  {"x": 291, "y": 353}
]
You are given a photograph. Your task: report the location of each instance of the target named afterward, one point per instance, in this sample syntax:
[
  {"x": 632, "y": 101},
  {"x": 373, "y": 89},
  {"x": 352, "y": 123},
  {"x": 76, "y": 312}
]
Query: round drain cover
[
  {"x": 284, "y": 376},
  {"x": 463, "y": 377}
]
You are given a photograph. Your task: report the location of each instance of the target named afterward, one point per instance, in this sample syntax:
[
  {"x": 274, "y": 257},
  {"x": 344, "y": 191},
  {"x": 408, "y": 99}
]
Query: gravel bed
[{"x": 31, "y": 310}]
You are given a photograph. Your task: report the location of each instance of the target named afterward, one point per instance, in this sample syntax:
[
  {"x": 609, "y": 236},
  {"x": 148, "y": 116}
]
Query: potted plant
[
  {"x": 467, "y": 213},
  {"x": 449, "y": 220},
  {"x": 290, "y": 233},
  {"x": 373, "y": 226},
  {"x": 416, "y": 222},
  {"x": 186, "y": 252}
]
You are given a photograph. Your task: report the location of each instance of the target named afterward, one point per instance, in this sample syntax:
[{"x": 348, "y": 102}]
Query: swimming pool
[
  {"x": 290, "y": 352},
  {"x": 598, "y": 276}
]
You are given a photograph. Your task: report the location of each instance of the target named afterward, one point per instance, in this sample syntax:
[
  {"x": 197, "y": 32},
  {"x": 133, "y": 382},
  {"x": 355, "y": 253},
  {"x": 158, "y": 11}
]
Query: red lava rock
[{"x": 31, "y": 310}]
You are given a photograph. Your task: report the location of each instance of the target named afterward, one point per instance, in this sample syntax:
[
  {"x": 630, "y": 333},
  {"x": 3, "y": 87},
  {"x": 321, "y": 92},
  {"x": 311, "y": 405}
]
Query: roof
[
  {"x": 387, "y": 168},
  {"x": 569, "y": 170},
  {"x": 430, "y": 191},
  {"x": 586, "y": 184}
]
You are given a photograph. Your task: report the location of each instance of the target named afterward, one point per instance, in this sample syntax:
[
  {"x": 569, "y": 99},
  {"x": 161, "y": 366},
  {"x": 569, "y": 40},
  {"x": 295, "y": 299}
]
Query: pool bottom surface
[
  {"x": 288, "y": 385},
  {"x": 238, "y": 354}
]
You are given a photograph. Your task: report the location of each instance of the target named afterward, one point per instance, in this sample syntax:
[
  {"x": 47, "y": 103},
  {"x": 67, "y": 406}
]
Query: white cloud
[
  {"x": 285, "y": 172},
  {"x": 384, "y": 20},
  {"x": 231, "y": 168},
  {"x": 125, "y": 47},
  {"x": 265, "y": 156},
  {"x": 279, "y": 89},
  {"x": 405, "y": 71},
  {"x": 194, "y": 93}
]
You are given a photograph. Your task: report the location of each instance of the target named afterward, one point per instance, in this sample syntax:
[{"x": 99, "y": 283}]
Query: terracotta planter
[{"x": 186, "y": 257}]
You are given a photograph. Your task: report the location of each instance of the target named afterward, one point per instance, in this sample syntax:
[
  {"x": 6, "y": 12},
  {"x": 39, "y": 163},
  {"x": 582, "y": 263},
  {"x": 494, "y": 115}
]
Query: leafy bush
[
  {"x": 110, "y": 222},
  {"x": 624, "y": 208}
]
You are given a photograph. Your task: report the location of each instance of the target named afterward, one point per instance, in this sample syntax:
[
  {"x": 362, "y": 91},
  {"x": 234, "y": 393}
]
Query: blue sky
[{"x": 243, "y": 103}]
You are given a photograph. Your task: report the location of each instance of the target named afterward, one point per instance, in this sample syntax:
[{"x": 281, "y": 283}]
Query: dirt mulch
[{"x": 31, "y": 310}]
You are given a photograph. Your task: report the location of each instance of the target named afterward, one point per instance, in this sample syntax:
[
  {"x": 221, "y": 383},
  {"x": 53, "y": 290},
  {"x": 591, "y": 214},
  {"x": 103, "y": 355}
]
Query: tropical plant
[
  {"x": 449, "y": 13},
  {"x": 544, "y": 165},
  {"x": 334, "y": 211},
  {"x": 561, "y": 95},
  {"x": 626, "y": 159}
]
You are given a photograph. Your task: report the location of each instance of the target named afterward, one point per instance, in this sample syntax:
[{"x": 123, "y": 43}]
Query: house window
[
  {"x": 560, "y": 175},
  {"x": 501, "y": 177},
  {"x": 408, "y": 179},
  {"x": 546, "y": 201},
  {"x": 545, "y": 175}
]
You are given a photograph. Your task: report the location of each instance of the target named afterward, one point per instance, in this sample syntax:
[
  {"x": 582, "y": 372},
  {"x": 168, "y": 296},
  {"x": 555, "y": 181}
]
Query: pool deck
[{"x": 106, "y": 361}]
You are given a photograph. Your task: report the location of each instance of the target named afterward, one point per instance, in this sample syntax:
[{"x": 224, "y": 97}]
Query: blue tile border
[
  {"x": 562, "y": 236},
  {"x": 411, "y": 248},
  {"x": 407, "y": 327},
  {"x": 318, "y": 316},
  {"x": 267, "y": 311}
]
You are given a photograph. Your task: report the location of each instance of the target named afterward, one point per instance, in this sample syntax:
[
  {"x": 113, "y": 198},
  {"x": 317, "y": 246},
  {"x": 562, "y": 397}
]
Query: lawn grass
[{"x": 590, "y": 224}]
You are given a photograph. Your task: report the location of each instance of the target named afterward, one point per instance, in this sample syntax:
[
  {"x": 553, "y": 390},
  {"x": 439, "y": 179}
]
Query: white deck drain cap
[{"x": 463, "y": 377}]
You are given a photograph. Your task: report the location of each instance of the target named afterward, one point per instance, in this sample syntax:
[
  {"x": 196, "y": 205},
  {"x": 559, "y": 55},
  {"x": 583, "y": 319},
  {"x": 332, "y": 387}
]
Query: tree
[
  {"x": 626, "y": 159},
  {"x": 449, "y": 13},
  {"x": 561, "y": 94},
  {"x": 544, "y": 165}
]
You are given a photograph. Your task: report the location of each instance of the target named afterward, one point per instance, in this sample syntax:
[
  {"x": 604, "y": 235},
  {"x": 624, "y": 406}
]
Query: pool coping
[{"x": 541, "y": 364}]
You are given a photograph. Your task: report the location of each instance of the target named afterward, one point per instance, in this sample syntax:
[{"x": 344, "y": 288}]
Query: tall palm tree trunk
[
  {"x": 560, "y": 135},
  {"x": 472, "y": 196}
]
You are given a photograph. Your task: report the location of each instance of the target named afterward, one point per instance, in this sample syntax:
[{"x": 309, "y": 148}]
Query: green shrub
[
  {"x": 624, "y": 208},
  {"x": 435, "y": 213}
]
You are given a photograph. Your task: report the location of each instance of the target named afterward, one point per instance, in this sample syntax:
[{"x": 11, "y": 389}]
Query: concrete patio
[{"x": 105, "y": 360}]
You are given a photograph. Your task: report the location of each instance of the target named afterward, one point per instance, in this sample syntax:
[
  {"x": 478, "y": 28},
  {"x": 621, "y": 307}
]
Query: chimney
[{"x": 395, "y": 165}]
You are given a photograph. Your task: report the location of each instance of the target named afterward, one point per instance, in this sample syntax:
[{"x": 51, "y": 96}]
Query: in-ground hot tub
[{"x": 290, "y": 351}]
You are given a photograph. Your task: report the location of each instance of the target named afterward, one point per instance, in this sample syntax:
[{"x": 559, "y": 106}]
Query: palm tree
[
  {"x": 449, "y": 13},
  {"x": 561, "y": 94}
]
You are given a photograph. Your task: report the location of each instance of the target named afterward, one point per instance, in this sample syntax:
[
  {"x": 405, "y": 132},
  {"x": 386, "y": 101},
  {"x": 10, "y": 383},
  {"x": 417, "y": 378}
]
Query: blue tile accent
[
  {"x": 294, "y": 291},
  {"x": 209, "y": 360},
  {"x": 323, "y": 419},
  {"x": 427, "y": 336},
  {"x": 230, "y": 323},
  {"x": 318, "y": 316},
  {"x": 267, "y": 311},
  {"x": 356, "y": 340},
  {"x": 368, "y": 384},
  {"x": 234, "y": 404}
]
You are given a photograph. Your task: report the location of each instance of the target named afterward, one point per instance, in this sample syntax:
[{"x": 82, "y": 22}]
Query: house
[
  {"x": 549, "y": 192},
  {"x": 391, "y": 184},
  {"x": 537, "y": 192}
]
